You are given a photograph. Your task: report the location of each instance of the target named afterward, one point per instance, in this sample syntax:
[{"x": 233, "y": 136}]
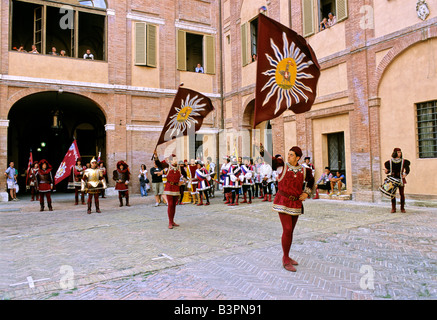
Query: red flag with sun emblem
[
  {"x": 186, "y": 114},
  {"x": 69, "y": 161},
  {"x": 287, "y": 71}
]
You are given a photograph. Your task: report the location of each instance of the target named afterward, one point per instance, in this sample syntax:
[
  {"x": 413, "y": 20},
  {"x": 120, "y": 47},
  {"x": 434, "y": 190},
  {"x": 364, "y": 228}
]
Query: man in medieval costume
[
  {"x": 92, "y": 183},
  {"x": 121, "y": 177},
  {"x": 399, "y": 168},
  {"x": 295, "y": 184},
  {"x": 45, "y": 183},
  {"x": 32, "y": 183}
]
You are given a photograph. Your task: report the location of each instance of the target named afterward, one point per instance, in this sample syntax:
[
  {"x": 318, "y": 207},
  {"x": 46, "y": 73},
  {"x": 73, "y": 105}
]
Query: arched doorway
[
  {"x": 46, "y": 124},
  {"x": 262, "y": 132}
]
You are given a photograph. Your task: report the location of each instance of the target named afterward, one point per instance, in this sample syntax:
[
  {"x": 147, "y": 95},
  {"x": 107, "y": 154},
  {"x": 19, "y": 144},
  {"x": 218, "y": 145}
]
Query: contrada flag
[
  {"x": 187, "y": 112},
  {"x": 287, "y": 71},
  {"x": 69, "y": 161}
]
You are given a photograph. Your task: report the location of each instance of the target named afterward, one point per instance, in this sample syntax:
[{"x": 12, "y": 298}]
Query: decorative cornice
[
  {"x": 194, "y": 27},
  {"x": 4, "y": 123},
  {"x": 145, "y": 18},
  {"x": 94, "y": 85}
]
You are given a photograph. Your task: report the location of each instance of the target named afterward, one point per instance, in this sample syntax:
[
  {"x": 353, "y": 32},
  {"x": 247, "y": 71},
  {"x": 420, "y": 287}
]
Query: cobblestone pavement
[{"x": 345, "y": 250}]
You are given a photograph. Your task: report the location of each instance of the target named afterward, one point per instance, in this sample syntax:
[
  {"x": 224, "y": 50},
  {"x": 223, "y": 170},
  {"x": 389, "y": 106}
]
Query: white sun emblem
[
  {"x": 286, "y": 74},
  {"x": 183, "y": 118},
  {"x": 61, "y": 170}
]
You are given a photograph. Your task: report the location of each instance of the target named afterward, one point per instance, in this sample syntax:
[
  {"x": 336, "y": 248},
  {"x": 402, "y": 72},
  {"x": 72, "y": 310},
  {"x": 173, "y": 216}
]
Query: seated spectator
[
  {"x": 324, "y": 24},
  {"x": 63, "y": 53},
  {"x": 339, "y": 180},
  {"x": 324, "y": 182},
  {"x": 331, "y": 19},
  {"x": 199, "y": 68},
  {"x": 88, "y": 55},
  {"x": 53, "y": 52},
  {"x": 34, "y": 50},
  {"x": 254, "y": 57}
]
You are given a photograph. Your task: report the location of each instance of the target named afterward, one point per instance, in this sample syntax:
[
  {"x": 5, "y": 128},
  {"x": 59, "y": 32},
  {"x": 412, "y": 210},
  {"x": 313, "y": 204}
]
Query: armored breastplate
[{"x": 93, "y": 176}]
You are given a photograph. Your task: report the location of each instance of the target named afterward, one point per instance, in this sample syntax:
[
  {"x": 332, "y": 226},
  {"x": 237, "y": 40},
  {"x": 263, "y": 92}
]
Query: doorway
[
  {"x": 46, "y": 124},
  {"x": 336, "y": 152}
]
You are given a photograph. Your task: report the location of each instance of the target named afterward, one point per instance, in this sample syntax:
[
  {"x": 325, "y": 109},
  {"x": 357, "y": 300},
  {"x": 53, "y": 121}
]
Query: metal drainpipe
[{"x": 222, "y": 121}]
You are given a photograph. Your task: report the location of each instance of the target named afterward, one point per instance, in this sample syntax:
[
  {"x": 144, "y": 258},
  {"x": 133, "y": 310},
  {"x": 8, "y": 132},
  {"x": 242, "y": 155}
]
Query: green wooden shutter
[
  {"x": 244, "y": 44},
  {"x": 140, "y": 44},
  {"x": 181, "y": 51},
  {"x": 341, "y": 6},
  {"x": 151, "y": 45},
  {"x": 209, "y": 54},
  {"x": 307, "y": 17}
]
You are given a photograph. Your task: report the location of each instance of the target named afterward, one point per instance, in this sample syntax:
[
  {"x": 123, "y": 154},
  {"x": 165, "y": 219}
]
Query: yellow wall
[
  {"x": 143, "y": 76},
  {"x": 328, "y": 41},
  {"x": 411, "y": 78},
  {"x": 201, "y": 82},
  {"x": 59, "y": 68},
  {"x": 250, "y": 9},
  {"x": 391, "y": 16},
  {"x": 248, "y": 74},
  {"x": 322, "y": 127},
  {"x": 332, "y": 80}
]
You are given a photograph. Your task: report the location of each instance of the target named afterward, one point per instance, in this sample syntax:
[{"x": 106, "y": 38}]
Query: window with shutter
[
  {"x": 151, "y": 46},
  {"x": 140, "y": 44},
  {"x": 341, "y": 6},
  {"x": 181, "y": 50},
  {"x": 308, "y": 17},
  {"x": 244, "y": 53},
  {"x": 209, "y": 55}
]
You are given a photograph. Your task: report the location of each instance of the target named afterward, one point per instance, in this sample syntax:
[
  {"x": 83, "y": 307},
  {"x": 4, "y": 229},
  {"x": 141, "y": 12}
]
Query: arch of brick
[
  {"x": 400, "y": 46},
  {"x": 96, "y": 99}
]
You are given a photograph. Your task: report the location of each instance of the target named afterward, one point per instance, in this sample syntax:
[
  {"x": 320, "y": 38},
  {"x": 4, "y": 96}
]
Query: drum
[{"x": 390, "y": 186}]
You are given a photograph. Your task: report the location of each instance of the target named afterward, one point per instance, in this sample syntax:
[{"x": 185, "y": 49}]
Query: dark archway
[{"x": 46, "y": 124}]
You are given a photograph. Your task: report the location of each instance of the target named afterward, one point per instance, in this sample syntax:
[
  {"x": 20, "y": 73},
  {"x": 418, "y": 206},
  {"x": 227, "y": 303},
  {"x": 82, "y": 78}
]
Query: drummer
[{"x": 399, "y": 168}]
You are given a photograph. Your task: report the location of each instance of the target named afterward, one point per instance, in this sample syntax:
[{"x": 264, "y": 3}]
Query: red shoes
[
  {"x": 289, "y": 265},
  {"x": 173, "y": 224}
]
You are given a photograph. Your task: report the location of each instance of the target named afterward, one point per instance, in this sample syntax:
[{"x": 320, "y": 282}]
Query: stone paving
[{"x": 346, "y": 250}]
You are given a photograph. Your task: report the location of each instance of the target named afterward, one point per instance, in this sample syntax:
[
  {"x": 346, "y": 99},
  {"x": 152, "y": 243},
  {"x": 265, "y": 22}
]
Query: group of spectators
[
  {"x": 87, "y": 56},
  {"x": 328, "y": 181},
  {"x": 328, "y": 22}
]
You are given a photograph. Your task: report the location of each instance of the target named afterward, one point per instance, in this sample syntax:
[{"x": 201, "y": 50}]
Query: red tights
[
  {"x": 288, "y": 224},
  {"x": 171, "y": 209}
]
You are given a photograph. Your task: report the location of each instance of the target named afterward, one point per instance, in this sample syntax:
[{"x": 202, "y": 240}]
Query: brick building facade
[
  {"x": 378, "y": 76},
  {"x": 367, "y": 101}
]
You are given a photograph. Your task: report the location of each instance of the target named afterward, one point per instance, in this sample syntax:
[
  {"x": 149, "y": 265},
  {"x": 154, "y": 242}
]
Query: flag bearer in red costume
[
  {"x": 172, "y": 190},
  {"x": 295, "y": 183},
  {"x": 92, "y": 183},
  {"x": 32, "y": 181},
  {"x": 45, "y": 182},
  {"x": 121, "y": 177}
]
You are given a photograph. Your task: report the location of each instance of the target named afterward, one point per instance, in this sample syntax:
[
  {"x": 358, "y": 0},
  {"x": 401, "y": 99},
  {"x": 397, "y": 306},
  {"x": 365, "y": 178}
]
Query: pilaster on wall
[
  {"x": 4, "y": 124},
  {"x": 375, "y": 145}
]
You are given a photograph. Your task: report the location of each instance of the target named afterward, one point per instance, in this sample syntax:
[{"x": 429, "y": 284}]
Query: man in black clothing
[{"x": 399, "y": 168}]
